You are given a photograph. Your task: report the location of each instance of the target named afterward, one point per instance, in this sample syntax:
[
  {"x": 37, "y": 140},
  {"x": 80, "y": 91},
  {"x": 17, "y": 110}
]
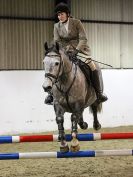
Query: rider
[{"x": 70, "y": 34}]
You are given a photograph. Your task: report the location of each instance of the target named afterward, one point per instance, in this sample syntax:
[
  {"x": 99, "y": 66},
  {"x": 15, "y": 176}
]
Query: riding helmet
[{"x": 62, "y": 7}]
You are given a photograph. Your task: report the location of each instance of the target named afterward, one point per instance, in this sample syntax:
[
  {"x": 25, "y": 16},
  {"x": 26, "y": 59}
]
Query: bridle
[{"x": 50, "y": 76}]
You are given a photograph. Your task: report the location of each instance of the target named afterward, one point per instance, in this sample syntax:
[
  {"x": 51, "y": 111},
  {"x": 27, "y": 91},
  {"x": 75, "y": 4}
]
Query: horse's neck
[{"x": 68, "y": 72}]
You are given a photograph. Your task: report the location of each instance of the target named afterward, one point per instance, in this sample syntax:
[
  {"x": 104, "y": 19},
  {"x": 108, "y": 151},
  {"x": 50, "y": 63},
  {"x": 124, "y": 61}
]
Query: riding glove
[{"x": 75, "y": 52}]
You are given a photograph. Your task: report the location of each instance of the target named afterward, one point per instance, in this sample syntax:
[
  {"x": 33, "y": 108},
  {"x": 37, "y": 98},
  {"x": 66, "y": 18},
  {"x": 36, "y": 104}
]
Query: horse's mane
[{"x": 53, "y": 47}]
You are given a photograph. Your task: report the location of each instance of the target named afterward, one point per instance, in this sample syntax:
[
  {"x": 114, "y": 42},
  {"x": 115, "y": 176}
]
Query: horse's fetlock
[
  {"x": 73, "y": 118},
  {"x": 61, "y": 136}
]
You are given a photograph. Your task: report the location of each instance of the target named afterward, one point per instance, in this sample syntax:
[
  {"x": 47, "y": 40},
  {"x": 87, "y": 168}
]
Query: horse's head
[{"x": 53, "y": 65}]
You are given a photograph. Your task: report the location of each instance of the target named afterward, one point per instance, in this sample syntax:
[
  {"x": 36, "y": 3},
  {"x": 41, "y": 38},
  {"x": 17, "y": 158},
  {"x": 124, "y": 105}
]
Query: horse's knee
[
  {"x": 73, "y": 118},
  {"x": 59, "y": 120}
]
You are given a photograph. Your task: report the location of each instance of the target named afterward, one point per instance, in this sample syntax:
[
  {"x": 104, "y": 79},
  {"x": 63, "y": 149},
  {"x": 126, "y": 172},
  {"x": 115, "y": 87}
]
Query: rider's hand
[
  {"x": 74, "y": 56},
  {"x": 75, "y": 52}
]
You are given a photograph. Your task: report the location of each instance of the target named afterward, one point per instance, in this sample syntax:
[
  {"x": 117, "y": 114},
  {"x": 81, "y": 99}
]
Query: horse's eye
[{"x": 56, "y": 63}]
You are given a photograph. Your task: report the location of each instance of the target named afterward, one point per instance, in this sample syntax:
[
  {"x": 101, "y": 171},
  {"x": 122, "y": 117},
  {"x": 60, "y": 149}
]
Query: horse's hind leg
[
  {"x": 96, "y": 124},
  {"x": 74, "y": 143}
]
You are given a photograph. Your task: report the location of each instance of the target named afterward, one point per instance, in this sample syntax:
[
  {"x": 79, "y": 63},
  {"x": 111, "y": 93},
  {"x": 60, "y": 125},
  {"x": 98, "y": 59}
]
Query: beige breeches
[{"x": 87, "y": 59}]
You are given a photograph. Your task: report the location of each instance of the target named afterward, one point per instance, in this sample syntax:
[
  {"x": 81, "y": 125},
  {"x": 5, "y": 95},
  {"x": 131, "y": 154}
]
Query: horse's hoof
[
  {"x": 97, "y": 126},
  {"x": 75, "y": 145},
  {"x": 83, "y": 126},
  {"x": 64, "y": 148},
  {"x": 75, "y": 148}
]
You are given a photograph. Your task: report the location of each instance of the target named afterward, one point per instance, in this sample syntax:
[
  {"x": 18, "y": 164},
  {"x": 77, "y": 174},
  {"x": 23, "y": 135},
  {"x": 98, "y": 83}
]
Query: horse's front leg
[
  {"x": 63, "y": 146},
  {"x": 60, "y": 122},
  {"x": 74, "y": 143}
]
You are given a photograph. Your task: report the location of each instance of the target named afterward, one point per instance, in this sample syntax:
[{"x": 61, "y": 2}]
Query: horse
[{"x": 71, "y": 93}]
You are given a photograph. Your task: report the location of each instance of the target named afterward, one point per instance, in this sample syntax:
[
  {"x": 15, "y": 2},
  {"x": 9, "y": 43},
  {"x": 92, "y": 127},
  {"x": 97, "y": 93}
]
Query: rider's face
[{"x": 62, "y": 16}]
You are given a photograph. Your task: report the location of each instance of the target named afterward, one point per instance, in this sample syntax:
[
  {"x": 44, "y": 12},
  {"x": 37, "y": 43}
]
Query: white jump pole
[{"x": 79, "y": 154}]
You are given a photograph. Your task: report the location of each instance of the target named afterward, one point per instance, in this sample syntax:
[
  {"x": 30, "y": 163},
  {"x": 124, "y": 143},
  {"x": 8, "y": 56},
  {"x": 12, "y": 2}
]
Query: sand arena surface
[{"x": 73, "y": 167}]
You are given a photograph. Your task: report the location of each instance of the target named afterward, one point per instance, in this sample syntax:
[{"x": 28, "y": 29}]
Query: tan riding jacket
[{"x": 75, "y": 38}]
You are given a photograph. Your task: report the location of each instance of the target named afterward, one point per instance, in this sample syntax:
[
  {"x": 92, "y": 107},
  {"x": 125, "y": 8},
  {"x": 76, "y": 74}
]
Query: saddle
[
  {"x": 86, "y": 71},
  {"x": 80, "y": 61}
]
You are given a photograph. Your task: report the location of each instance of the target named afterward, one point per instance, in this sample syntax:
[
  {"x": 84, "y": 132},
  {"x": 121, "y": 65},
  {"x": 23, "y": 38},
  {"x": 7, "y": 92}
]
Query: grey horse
[{"x": 71, "y": 93}]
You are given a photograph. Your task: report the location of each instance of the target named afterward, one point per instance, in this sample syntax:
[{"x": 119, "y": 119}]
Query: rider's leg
[
  {"x": 49, "y": 98},
  {"x": 96, "y": 81}
]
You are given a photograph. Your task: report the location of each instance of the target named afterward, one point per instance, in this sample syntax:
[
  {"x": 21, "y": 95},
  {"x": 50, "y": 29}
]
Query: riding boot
[
  {"x": 97, "y": 86},
  {"x": 49, "y": 99}
]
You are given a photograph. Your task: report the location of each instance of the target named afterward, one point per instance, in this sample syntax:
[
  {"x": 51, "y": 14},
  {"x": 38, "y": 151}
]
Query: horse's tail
[{"x": 98, "y": 107}]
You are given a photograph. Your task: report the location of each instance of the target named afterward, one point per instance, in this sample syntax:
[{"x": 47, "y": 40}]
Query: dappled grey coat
[{"x": 75, "y": 38}]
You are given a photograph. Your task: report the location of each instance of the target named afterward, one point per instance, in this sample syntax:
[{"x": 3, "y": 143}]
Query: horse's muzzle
[
  {"x": 47, "y": 85},
  {"x": 47, "y": 89}
]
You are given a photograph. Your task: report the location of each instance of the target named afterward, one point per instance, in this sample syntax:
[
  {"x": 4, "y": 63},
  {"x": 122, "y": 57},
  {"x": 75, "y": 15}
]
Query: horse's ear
[
  {"x": 57, "y": 46},
  {"x": 46, "y": 46}
]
